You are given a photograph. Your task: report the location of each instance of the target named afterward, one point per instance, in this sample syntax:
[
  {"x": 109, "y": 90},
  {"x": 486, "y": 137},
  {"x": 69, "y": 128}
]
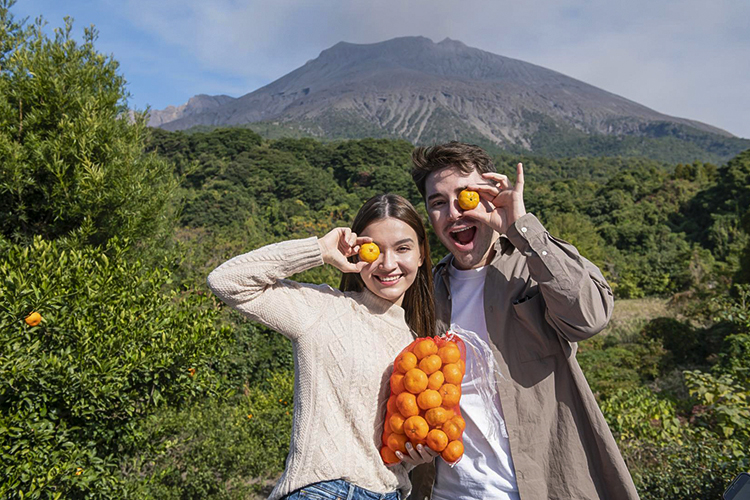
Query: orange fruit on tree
[
  {"x": 397, "y": 442},
  {"x": 453, "y": 451},
  {"x": 450, "y": 395},
  {"x": 415, "y": 381},
  {"x": 424, "y": 348},
  {"x": 435, "y": 380},
  {"x": 397, "y": 383},
  {"x": 460, "y": 422},
  {"x": 429, "y": 399},
  {"x": 416, "y": 427},
  {"x": 437, "y": 416},
  {"x": 33, "y": 319},
  {"x": 452, "y": 430},
  {"x": 430, "y": 364},
  {"x": 468, "y": 200},
  {"x": 405, "y": 362},
  {"x": 449, "y": 353},
  {"x": 369, "y": 252},
  {"x": 452, "y": 373},
  {"x": 407, "y": 404},
  {"x": 396, "y": 423},
  {"x": 388, "y": 455},
  {"x": 436, "y": 440}
]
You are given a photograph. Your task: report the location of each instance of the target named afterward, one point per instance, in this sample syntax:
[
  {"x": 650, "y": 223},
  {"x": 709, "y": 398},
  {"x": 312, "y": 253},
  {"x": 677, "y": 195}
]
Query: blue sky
[{"x": 686, "y": 58}]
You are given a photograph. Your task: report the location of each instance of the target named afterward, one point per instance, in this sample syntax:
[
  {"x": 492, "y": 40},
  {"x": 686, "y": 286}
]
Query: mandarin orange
[
  {"x": 415, "y": 381},
  {"x": 437, "y": 440},
  {"x": 405, "y": 362},
  {"x": 430, "y": 364},
  {"x": 388, "y": 455},
  {"x": 449, "y": 353},
  {"x": 416, "y": 427},
  {"x": 452, "y": 430},
  {"x": 424, "y": 348},
  {"x": 452, "y": 373},
  {"x": 450, "y": 395},
  {"x": 429, "y": 399},
  {"x": 437, "y": 416},
  {"x": 453, "y": 451},
  {"x": 397, "y": 383},
  {"x": 468, "y": 200},
  {"x": 397, "y": 442},
  {"x": 407, "y": 404},
  {"x": 396, "y": 423},
  {"x": 435, "y": 380}
]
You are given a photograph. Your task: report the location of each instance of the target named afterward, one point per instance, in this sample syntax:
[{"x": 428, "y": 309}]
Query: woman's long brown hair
[{"x": 418, "y": 304}]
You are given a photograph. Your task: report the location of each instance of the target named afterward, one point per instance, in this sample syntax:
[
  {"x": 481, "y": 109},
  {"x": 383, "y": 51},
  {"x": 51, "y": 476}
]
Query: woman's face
[{"x": 395, "y": 269}]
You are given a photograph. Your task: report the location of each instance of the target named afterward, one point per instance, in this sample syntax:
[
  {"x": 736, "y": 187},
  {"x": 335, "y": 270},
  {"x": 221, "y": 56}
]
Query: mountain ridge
[{"x": 422, "y": 91}]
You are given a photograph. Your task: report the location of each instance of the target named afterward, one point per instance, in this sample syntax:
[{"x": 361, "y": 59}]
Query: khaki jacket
[{"x": 540, "y": 298}]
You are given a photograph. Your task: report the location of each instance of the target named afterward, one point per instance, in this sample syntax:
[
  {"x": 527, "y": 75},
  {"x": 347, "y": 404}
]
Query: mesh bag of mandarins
[{"x": 425, "y": 392}]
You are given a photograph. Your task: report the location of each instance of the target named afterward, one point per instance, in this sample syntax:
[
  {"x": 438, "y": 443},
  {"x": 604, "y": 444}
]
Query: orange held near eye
[
  {"x": 33, "y": 319},
  {"x": 468, "y": 200},
  {"x": 369, "y": 252}
]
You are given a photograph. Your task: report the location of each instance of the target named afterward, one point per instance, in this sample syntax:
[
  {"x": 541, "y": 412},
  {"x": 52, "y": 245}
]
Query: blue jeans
[{"x": 339, "y": 490}]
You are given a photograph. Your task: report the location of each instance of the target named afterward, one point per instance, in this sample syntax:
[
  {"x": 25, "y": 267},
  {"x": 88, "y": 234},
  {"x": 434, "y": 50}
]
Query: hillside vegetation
[{"x": 137, "y": 383}]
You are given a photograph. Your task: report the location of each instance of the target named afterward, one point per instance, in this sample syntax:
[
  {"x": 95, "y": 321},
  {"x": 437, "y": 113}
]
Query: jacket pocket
[{"x": 533, "y": 337}]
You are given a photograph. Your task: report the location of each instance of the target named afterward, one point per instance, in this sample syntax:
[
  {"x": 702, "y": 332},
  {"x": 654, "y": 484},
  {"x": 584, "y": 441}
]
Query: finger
[
  {"x": 351, "y": 239},
  {"x": 361, "y": 240},
  {"x": 405, "y": 458},
  {"x": 486, "y": 189},
  {"x": 519, "y": 178},
  {"x": 426, "y": 452}
]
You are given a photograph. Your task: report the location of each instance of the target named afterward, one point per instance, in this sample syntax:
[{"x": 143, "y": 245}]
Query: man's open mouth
[{"x": 465, "y": 235}]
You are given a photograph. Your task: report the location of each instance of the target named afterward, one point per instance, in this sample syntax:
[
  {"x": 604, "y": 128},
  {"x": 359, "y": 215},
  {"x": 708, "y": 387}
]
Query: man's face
[{"x": 469, "y": 240}]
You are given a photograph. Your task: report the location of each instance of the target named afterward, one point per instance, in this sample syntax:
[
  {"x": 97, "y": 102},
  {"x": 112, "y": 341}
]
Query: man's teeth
[
  {"x": 460, "y": 230},
  {"x": 388, "y": 279}
]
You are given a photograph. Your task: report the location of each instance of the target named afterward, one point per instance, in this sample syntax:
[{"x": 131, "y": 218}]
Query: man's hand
[
  {"x": 503, "y": 202},
  {"x": 338, "y": 245},
  {"x": 422, "y": 455}
]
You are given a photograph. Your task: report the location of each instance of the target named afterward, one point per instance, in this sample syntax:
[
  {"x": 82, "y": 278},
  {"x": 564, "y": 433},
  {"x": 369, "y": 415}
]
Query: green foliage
[
  {"x": 215, "y": 450},
  {"x": 72, "y": 162},
  {"x": 114, "y": 344}
]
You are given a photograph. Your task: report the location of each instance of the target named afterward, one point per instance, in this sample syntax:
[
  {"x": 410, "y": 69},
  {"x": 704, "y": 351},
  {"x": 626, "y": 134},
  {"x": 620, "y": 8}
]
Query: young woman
[{"x": 344, "y": 342}]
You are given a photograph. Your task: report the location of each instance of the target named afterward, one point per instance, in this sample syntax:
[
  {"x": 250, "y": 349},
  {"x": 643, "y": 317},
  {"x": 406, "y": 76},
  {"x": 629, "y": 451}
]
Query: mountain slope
[{"x": 424, "y": 92}]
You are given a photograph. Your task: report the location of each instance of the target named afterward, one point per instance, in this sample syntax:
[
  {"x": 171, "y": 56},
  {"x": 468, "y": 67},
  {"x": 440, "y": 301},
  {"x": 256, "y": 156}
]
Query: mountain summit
[{"x": 425, "y": 92}]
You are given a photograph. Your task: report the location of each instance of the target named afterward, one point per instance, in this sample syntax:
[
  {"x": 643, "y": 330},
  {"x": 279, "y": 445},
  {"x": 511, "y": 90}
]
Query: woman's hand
[
  {"x": 422, "y": 455},
  {"x": 338, "y": 245}
]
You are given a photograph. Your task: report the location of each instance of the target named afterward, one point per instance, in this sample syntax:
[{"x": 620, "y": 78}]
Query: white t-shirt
[{"x": 486, "y": 469}]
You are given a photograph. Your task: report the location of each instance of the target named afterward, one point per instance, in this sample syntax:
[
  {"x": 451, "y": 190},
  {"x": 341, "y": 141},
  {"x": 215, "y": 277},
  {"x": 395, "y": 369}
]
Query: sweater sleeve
[
  {"x": 578, "y": 299},
  {"x": 254, "y": 284}
]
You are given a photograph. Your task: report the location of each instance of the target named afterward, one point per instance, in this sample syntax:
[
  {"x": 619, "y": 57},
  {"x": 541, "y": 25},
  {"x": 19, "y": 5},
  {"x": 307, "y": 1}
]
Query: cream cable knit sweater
[{"x": 344, "y": 345}]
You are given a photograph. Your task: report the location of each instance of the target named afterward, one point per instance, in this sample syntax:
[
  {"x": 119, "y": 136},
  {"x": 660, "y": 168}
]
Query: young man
[{"x": 531, "y": 297}]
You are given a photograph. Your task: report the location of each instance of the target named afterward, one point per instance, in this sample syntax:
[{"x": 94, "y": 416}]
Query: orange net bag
[{"x": 423, "y": 407}]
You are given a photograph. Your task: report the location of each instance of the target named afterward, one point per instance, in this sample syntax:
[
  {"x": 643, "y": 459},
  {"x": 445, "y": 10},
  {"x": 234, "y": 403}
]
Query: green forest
[{"x": 138, "y": 383}]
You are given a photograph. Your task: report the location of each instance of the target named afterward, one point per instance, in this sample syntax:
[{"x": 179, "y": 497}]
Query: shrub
[
  {"x": 113, "y": 345},
  {"x": 216, "y": 450},
  {"x": 72, "y": 163}
]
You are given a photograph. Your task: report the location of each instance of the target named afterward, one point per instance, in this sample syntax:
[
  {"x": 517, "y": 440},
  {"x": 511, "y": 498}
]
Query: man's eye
[{"x": 436, "y": 204}]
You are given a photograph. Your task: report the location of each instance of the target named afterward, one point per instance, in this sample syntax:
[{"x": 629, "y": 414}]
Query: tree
[{"x": 71, "y": 156}]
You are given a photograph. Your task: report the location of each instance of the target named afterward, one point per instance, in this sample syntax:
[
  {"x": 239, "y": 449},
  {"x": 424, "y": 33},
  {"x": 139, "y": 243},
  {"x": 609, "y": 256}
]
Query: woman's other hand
[{"x": 338, "y": 245}]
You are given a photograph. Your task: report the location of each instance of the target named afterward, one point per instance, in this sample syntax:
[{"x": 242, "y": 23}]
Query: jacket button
[{"x": 523, "y": 229}]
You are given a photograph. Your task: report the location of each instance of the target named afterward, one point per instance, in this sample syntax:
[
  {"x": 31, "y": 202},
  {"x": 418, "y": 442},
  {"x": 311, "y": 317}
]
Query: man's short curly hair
[{"x": 466, "y": 157}]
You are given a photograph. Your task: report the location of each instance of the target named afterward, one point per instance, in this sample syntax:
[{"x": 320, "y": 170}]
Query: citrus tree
[{"x": 71, "y": 156}]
